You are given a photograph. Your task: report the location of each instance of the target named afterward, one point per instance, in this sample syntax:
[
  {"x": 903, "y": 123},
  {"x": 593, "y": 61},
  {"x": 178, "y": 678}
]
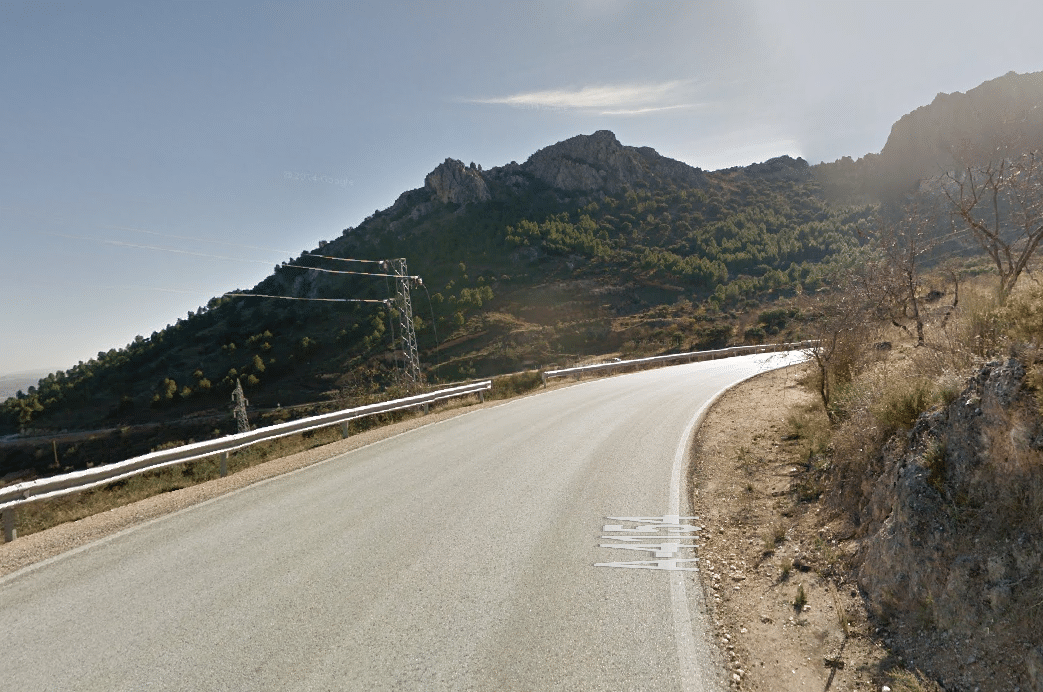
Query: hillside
[
  {"x": 15, "y": 382},
  {"x": 588, "y": 248}
]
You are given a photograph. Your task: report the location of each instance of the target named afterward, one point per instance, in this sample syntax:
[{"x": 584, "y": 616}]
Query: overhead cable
[
  {"x": 321, "y": 300},
  {"x": 343, "y": 259},
  {"x": 334, "y": 271}
]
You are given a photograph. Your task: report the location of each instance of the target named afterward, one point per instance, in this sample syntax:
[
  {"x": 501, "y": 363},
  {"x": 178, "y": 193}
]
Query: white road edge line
[{"x": 690, "y": 649}]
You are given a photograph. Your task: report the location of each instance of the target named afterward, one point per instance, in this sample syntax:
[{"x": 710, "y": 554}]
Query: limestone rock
[
  {"x": 948, "y": 540},
  {"x": 453, "y": 182},
  {"x": 1034, "y": 669},
  {"x": 599, "y": 162},
  {"x": 998, "y": 118}
]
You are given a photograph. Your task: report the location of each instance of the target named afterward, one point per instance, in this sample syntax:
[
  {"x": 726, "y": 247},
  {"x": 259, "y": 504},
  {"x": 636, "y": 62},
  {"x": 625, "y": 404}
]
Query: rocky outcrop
[
  {"x": 588, "y": 163},
  {"x": 453, "y": 182},
  {"x": 956, "y": 129},
  {"x": 599, "y": 162},
  {"x": 1000, "y": 117},
  {"x": 955, "y": 523},
  {"x": 585, "y": 163},
  {"x": 779, "y": 168}
]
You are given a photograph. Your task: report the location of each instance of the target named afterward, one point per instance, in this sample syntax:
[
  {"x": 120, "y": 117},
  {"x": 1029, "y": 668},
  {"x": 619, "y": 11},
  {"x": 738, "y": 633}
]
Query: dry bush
[
  {"x": 913, "y": 681},
  {"x": 887, "y": 397},
  {"x": 509, "y": 386},
  {"x": 976, "y": 330}
]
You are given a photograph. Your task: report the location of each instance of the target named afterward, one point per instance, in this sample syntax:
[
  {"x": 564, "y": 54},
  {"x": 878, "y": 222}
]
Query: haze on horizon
[{"x": 154, "y": 156}]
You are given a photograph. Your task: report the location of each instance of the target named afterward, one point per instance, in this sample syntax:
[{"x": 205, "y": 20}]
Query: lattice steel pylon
[{"x": 404, "y": 305}]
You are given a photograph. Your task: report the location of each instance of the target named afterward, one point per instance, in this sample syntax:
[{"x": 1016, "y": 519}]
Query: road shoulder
[{"x": 770, "y": 542}]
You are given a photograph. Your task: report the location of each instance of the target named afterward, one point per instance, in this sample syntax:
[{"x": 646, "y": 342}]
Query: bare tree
[
  {"x": 1002, "y": 204},
  {"x": 841, "y": 326},
  {"x": 905, "y": 239}
]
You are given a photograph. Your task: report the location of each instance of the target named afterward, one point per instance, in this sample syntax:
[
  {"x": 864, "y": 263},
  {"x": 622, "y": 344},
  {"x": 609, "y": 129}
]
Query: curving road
[{"x": 464, "y": 555}]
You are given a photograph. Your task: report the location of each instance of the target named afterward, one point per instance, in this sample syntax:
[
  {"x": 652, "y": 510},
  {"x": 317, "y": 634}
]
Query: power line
[
  {"x": 334, "y": 271},
  {"x": 320, "y": 300},
  {"x": 401, "y": 301},
  {"x": 344, "y": 259},
  {"x": 198, "y": 240},
  {"x": 120, "y": 243}
]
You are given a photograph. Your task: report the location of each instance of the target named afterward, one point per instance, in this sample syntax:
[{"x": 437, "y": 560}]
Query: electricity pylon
[{"x": 404, "y": 305}]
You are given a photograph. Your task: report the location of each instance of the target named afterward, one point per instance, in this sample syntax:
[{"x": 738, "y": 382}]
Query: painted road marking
[
  {"x": 660, "y": 537},
  {"x": 666, "y": 565}
]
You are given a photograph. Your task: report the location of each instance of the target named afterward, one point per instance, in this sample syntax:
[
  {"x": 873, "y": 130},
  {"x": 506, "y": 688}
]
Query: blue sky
[{"x": 154, "y": 155}]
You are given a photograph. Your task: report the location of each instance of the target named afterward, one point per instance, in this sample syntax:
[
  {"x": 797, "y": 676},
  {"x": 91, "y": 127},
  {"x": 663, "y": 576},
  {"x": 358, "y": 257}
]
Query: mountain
[
  {"x": 991, "y": 121},
  {"x": 589, "y": 248}
]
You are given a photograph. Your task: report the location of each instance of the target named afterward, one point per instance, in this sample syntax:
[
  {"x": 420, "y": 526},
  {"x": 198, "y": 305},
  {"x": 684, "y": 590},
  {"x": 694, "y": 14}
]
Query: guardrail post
[
  {"x": 224, "y": 464},
  {"x": 427, "y": 408},
  {"x": 344, "y": 431},
  {"x": 10, "y": 532},
  {"x": 481, "y": 397}
]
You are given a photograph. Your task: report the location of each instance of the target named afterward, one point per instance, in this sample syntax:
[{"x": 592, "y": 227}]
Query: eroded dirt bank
[{"x": 919, "y": 584}]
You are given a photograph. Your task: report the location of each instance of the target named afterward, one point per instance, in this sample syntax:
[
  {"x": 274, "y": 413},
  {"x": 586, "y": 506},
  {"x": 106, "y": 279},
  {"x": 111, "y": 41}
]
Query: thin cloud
[
  {"x": 198, "y": 240},
  {"x": 137, "y": 287},
  {"x": 175, "y": 251},
  {"x": 655, "y": 109},
  {"x": 619, "y": 99}
]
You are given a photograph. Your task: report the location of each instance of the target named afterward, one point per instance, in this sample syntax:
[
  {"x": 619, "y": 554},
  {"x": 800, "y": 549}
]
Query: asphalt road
[{"x": 464, "y": 555}]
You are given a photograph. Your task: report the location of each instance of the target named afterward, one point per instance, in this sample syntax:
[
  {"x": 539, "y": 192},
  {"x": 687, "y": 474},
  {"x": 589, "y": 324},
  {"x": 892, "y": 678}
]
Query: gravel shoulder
[{"x": 767, "y": 545}]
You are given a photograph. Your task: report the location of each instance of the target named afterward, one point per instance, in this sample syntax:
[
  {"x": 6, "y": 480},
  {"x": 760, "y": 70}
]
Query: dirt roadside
[{"x": 770, "y": 543}]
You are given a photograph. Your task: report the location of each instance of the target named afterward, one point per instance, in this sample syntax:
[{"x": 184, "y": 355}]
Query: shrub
[
  {"x": 899, "y": 408},
  {"x": 801, "y": 598},
  {"x": 512, "y": 385}
]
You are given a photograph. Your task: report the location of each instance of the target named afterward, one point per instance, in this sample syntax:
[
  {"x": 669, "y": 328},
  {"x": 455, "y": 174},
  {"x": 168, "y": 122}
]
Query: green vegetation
[{"x": 524, "y": 280}]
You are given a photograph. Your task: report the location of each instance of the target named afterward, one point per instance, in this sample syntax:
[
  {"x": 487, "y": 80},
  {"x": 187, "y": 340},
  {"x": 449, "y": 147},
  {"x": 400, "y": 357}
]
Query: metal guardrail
[
  {"x": 44, "y": 488},
  {"x": 689, "y": 357}
]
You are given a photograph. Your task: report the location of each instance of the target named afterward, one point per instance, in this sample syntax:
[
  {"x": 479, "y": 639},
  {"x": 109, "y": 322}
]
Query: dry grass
[{"x": 912, "y": 681}]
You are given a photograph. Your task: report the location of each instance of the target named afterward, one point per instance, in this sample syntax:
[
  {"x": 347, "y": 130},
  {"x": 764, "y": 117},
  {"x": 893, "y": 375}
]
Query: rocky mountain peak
[
  {"x": 784, "y": 166},
  {"x": 599, "y": 162},
  {"x": 585, "y": 162},
  {"x": 1000, "y": 115}
]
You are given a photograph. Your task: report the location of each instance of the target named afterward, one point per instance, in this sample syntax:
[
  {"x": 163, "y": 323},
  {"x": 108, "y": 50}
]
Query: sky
[{"x": 154, "y": 155}]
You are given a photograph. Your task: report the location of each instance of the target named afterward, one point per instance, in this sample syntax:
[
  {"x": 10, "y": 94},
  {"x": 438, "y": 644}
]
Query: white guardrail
[
  {"x": 44, "y": 488},
  {"x": 690, "y": 357}
]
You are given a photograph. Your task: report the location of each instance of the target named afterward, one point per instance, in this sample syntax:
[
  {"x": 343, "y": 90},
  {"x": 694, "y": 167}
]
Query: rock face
[
  {"x": 599, "y": 162},
  {"x": 999, "y": 117},
  {"x": 585, "y": 163},
  {"x": 954, "y": 526},
  {"x": 1001, "y": 114},
  {"x": 453, "y": 182},
  {"x": 779, "y": 168}
]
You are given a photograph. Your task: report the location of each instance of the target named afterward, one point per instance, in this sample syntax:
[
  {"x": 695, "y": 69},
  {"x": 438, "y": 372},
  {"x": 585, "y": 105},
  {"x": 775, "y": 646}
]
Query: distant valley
[{"x": 12, "y": 383}]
